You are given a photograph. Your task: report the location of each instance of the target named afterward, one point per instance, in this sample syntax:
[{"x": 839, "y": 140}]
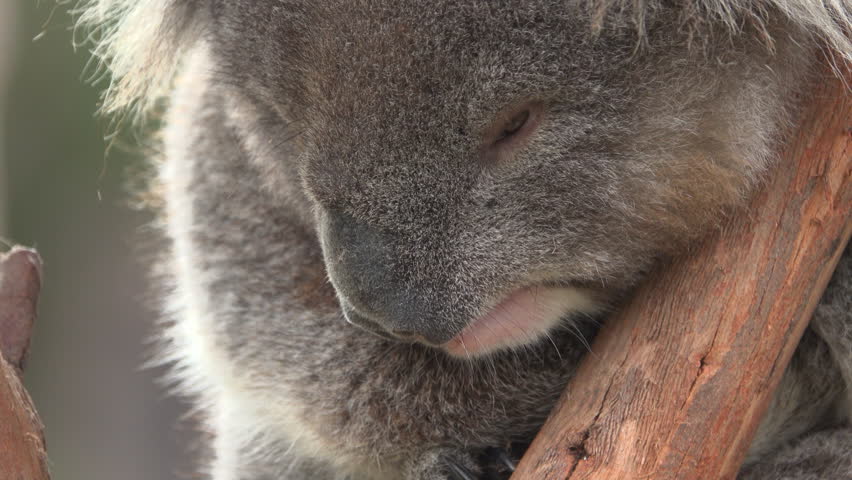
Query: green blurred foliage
[{"x": 105, "y": 418}]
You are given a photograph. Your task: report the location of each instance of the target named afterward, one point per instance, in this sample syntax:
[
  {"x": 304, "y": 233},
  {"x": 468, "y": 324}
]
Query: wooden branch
[
  {"x": 680, "y": 378},
  {"x": 22, "y": 447}
]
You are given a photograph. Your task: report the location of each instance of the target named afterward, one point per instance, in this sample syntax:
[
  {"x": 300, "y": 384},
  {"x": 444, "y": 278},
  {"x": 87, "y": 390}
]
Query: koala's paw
[{"x": 453, "y": 464}]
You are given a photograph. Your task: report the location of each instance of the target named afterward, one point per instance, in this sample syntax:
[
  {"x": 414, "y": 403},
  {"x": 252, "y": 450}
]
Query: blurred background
[{"x": 105, "y": 416}]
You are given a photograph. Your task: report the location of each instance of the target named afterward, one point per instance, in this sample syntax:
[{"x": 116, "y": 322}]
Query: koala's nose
[
  {"x": 370, "y": 281},
  {"x": 359, "y": 260}
]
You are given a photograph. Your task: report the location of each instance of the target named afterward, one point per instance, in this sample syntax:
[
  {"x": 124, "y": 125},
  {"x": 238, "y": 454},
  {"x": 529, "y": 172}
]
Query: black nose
[{"x": 374, "y": 283}]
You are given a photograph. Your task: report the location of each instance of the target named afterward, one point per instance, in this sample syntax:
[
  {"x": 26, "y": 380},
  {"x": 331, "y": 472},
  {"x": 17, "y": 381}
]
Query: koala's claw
[
  {"x": 459, "y": 472},
  {"x": 492, "y": 463},
  {"x": 499, "y": 463},
  {"x": 503, "y": 456}
]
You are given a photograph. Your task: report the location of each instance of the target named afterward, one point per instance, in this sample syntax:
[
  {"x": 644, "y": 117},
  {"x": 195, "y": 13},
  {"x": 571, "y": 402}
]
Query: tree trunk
[{"x": 680, "y": 378}]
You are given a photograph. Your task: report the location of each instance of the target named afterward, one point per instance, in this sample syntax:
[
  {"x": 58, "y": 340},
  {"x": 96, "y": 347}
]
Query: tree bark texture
[
  {"x": 680, "y": 378},
  {"x": 22, "y": 446}
]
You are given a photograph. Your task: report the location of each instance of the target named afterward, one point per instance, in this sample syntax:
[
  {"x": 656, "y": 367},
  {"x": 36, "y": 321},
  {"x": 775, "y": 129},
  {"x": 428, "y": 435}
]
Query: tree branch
[
  {"x": 681, "y": 377},
  {"x": 22, "y": 447}
]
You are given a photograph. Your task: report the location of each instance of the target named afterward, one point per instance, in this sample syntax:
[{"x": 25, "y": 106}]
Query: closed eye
[
  {"x": 510, "y": 131},
  {"x": 515, "y": 124}
]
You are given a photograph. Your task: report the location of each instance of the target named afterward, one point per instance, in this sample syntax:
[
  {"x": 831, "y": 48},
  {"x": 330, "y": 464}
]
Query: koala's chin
[{"x": 523, "y": 317}]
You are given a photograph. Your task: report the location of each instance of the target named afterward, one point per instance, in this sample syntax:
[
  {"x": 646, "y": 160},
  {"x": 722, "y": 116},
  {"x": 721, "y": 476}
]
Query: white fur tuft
[{"x": 141, "y": 43}]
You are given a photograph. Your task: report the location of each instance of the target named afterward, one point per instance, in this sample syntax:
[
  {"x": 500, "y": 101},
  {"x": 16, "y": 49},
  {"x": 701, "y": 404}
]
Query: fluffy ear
[
  {"x": 140, "y": 43},
  {"x": 830, "y": 20},
  {"x": 827, "y": 20}
]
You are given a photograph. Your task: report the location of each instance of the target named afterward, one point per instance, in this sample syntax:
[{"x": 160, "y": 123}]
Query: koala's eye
[
  {"x": 510, "y": 131},
  {"x": 515, "y": 124}
]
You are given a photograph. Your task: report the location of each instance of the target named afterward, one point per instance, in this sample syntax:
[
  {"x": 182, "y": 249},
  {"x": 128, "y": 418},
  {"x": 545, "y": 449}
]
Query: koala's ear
[
  {"x": 828, "y": 20},
  {"x": 140, "y": 43}
]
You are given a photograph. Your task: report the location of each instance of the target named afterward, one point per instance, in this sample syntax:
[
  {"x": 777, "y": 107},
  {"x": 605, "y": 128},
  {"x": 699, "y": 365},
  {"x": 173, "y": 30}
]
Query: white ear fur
[
  {"x": 828, "y": 20},
  {"x": 140, "y": 43}
]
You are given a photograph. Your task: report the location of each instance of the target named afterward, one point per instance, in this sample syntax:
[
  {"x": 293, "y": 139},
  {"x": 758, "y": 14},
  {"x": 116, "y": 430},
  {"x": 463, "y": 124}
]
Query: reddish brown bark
[
  {"x": 681, "y": 377},
  {"x": 22, "y": 448}
]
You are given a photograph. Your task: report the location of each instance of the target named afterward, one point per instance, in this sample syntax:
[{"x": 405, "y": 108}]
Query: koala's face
[{"x": 478, "y": 172}]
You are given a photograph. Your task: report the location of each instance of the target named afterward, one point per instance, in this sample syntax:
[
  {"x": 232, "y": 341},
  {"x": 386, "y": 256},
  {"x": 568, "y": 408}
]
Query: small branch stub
[
  {"x": 22, "y": 446},
  {"x": 683, "y": 374}
]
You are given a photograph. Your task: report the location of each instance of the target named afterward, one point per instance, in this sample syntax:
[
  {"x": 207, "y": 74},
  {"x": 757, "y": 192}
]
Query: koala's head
[{"x": 478, "y": 171}]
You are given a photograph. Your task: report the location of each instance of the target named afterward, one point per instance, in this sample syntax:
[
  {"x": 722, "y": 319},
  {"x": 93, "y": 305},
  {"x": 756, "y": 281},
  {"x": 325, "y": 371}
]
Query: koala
[{"x": 395, "y": 226}]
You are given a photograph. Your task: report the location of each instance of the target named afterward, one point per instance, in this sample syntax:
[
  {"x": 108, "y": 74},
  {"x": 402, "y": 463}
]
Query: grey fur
[
  {"x": 354, "y": 140},
  {"x": 819, "y": 456}
]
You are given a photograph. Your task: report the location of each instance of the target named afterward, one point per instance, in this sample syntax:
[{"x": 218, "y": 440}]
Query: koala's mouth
[{"x": 521, "y": 318}]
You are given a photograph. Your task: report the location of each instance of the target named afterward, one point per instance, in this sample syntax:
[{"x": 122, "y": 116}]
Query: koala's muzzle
[{"x": 365, "y": 269}]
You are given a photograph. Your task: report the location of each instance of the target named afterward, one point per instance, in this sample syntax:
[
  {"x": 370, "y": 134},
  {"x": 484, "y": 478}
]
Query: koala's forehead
[
  {"x": 395, "y": 92},
  {"x": 358, "y": 55}
]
